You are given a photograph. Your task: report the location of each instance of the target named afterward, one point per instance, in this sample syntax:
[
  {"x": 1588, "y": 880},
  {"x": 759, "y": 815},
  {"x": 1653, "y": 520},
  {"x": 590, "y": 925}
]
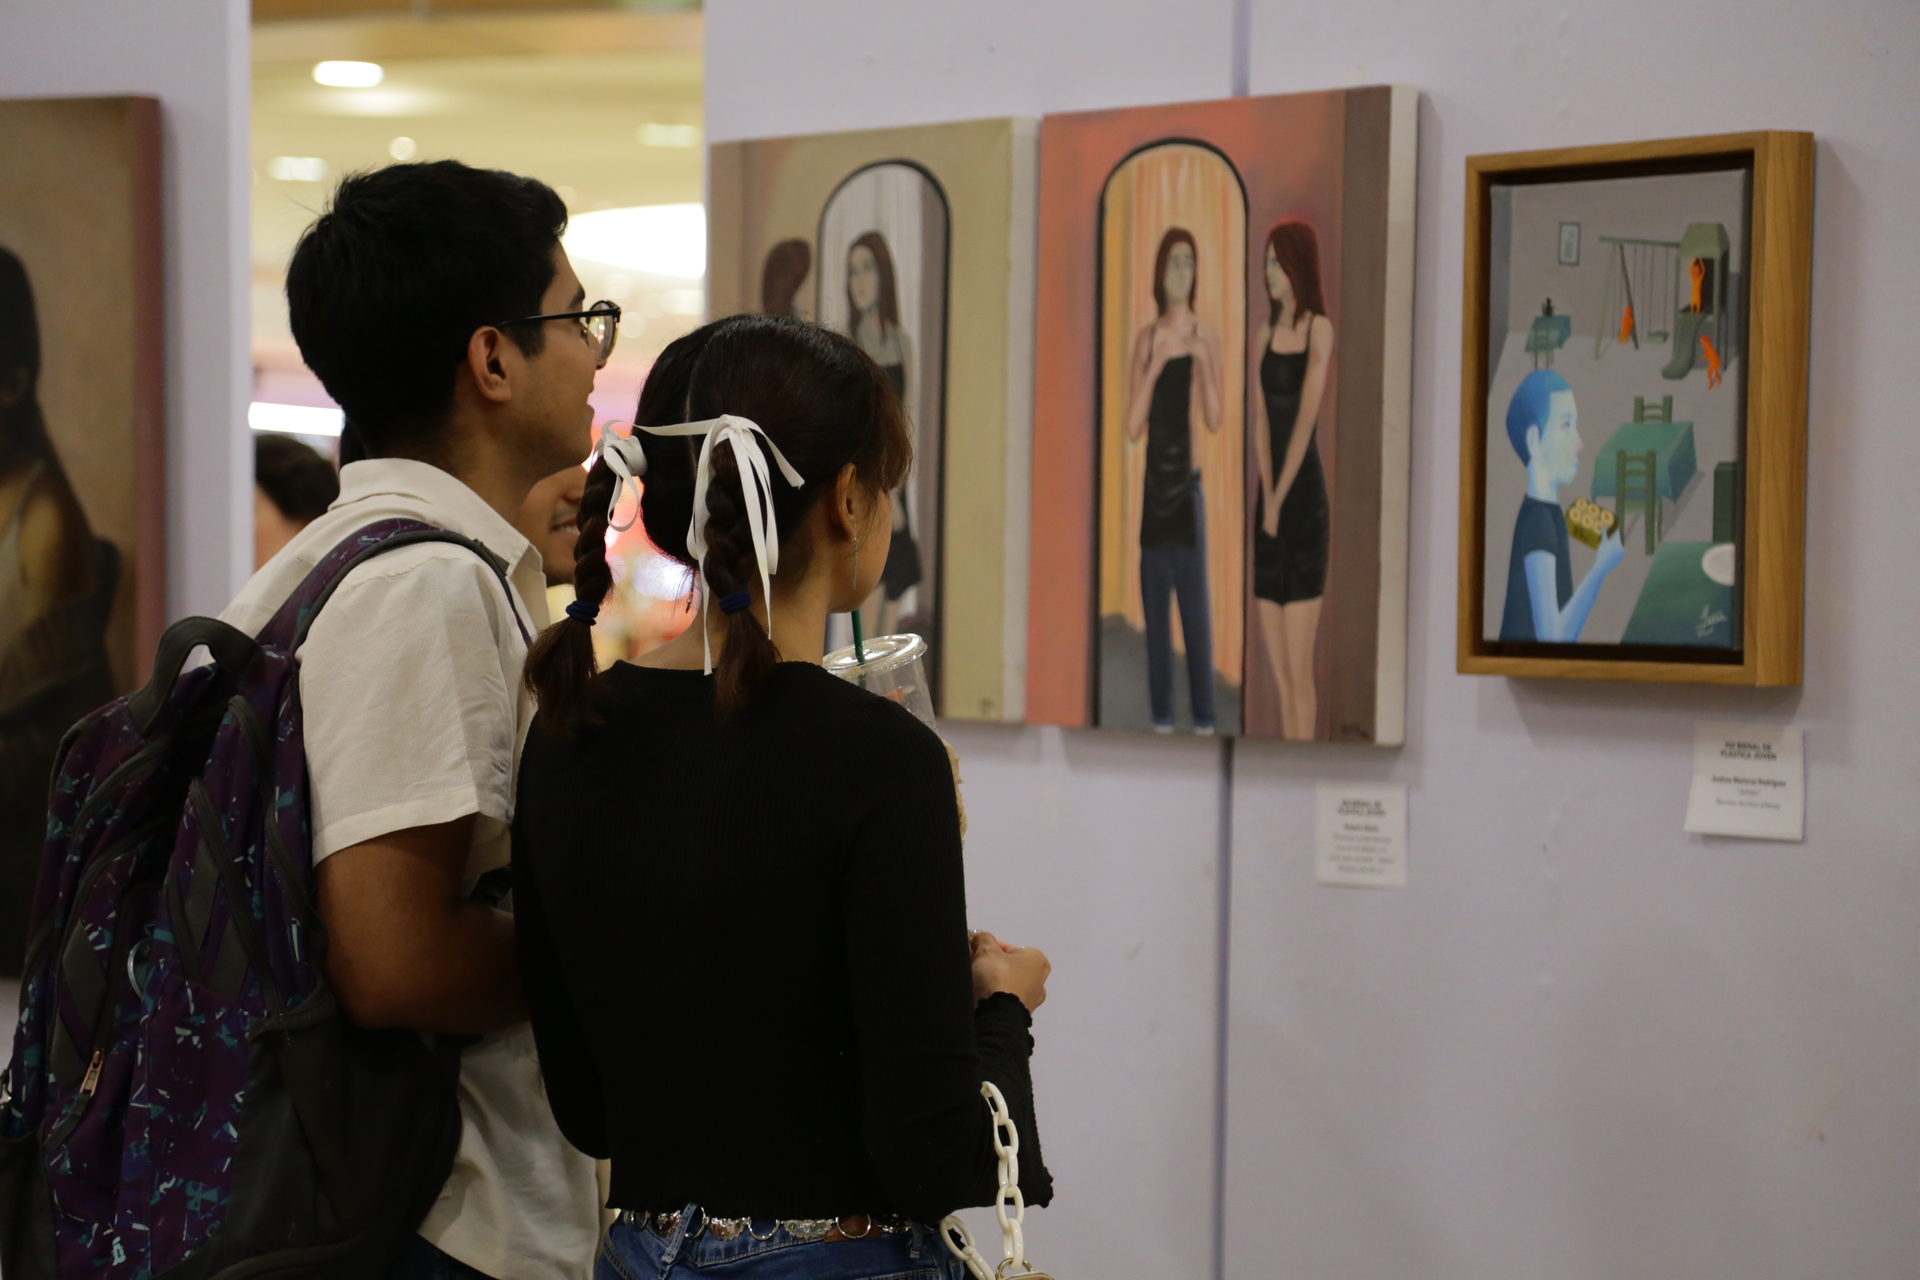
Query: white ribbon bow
[
  {"x": 756, "y": 483},
  {"x": 624, "y": 456}
]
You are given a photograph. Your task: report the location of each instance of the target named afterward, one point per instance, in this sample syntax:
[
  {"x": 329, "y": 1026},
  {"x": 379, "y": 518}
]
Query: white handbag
[{"x": 1009, "y": 1206}]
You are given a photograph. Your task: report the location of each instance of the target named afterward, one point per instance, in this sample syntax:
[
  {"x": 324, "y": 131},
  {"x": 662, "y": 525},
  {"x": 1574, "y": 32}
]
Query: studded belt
[{"x": 852, "y": 1226}]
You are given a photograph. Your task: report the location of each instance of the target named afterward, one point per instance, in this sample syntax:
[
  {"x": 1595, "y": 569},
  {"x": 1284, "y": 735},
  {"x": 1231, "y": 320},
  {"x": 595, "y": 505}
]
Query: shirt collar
[{"x": 447, "y": 501}]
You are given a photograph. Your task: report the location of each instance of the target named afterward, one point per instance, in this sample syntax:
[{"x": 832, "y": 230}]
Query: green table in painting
[
  {"x": 1671, "y": 444},
  {"x": 1680, "y": 604}
]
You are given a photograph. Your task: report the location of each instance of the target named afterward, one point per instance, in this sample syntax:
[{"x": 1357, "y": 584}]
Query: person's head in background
[
  {"x": 550, "y": 517},
  {"x": 410, "y": 298},
  {"x": 292, "y": 486},
  {"x": 781, "y": 276}
]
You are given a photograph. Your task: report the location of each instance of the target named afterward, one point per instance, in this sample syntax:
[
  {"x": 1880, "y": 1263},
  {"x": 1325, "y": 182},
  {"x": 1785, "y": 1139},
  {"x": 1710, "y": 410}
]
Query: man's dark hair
[
  {"x": 386, "y": 288},
  {"x": 298, "y": 480}
]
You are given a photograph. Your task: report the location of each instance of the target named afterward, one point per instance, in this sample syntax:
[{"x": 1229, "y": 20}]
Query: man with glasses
[{"x": 436, "y": 304}]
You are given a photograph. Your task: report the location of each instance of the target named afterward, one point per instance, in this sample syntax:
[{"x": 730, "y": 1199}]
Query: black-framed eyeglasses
[{"x": 599, "y": 325}]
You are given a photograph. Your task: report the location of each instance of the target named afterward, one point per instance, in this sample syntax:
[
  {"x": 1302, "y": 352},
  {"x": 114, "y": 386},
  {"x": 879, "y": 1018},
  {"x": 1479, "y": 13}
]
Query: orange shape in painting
[
  {"x": 1713, "y": 361},
  {"x": 1697, "y": 270},
  {"x": 1626, "y": 325}
]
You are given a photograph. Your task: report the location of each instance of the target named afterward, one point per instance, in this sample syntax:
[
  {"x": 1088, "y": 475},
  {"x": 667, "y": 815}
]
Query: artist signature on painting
[{"x": 1711, "y": 620}]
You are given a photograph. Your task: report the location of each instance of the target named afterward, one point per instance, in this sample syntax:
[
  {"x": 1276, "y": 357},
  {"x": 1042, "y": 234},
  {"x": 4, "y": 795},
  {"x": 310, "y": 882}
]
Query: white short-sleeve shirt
[{"x": 413, "y": 713}]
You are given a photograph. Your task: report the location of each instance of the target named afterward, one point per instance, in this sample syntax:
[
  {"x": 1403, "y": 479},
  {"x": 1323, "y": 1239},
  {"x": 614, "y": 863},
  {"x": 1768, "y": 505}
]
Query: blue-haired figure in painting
[
  {"x": 1175, "y": 377},
  {"x": 56, "y": 585},
  {"x": 1542, "y": 603}
]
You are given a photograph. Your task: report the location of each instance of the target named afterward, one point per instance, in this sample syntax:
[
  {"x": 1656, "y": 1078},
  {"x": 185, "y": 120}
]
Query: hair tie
[
  {"x": 627, "y": 460},
  {"x": 736, "y": 602},
  {"x": 583, "y": 611},
  {"x": 756, "y": 484}
]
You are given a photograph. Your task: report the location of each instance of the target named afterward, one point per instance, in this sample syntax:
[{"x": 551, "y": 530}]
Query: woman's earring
[{"x": 856, "y": 562}]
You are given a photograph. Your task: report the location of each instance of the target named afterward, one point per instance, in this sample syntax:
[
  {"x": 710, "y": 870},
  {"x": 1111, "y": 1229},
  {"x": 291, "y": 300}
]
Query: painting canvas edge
[{"x": 1396, "y": 422}]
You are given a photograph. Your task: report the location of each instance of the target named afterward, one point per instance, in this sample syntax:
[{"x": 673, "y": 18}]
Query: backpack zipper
[
  {"x": 103, "y": 1020},
  {"x": 101, "y": 861},
  {"x": 92, "y": 1082}
]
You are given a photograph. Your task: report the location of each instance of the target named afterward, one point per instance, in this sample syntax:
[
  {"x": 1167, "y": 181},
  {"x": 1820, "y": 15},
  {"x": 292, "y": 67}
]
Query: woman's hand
[{"x": 999, "y": 966}]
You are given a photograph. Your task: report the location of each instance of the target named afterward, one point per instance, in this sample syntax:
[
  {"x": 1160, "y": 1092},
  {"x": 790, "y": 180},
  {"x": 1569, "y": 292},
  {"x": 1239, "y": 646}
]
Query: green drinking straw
[{"x": 859, "y": 648}]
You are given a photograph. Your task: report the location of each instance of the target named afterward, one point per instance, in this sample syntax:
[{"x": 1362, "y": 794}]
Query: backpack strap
[{"x": 288, "y": 628}]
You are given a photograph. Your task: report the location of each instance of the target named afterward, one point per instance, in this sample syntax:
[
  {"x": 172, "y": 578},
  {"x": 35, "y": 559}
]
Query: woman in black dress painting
[
  {"x": 873, "y": 305},
  {"x": 1291, "y": 519},
  {"x": 1175, "y": 379}
]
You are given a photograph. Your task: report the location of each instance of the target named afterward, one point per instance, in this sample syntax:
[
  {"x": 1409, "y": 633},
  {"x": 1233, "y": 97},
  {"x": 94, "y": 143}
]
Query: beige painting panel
[{"x": 768, "y": 190}]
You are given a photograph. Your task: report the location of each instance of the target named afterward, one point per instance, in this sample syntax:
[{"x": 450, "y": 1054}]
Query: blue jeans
[
  {"x": 635, "y": 1252},
  {"x": 1165, "y": 573},
  {"x": 423, "y": 1261}
]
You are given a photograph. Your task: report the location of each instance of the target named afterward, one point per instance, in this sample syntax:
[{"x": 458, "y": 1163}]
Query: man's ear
[
  {"x": 486, "y": 363},
  {"x": 1533, "y": 442}
]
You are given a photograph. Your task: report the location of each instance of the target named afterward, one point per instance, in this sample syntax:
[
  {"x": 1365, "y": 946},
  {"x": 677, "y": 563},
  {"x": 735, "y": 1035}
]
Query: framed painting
[
  {"x": 1221, "y": 391},
  {"x": 82, "y": 468},
  {"x": 1633, "y": 411},
  {"x": 918, "y": 243}
]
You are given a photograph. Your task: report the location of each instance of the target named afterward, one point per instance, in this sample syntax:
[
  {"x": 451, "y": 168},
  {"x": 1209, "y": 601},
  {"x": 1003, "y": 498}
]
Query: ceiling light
[
  {"x": 669, "y": 135},
  {"x": 349, "y": 75},
  {"x": 297, "y": 169},
  {"x": 657, "y": 239},
  {"x": 294, "y": 419},
  {"x": 403, "y": 148}
]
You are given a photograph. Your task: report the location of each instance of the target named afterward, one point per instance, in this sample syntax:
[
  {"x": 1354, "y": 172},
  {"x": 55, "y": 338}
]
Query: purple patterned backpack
[{"x": 186, "y": 1099}]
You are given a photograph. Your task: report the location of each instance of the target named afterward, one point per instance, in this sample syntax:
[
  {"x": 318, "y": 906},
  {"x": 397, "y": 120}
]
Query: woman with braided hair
[{"x": 754, "y": 991}]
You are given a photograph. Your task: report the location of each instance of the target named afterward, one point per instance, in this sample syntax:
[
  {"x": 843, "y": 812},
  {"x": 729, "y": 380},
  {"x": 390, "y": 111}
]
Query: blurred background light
[
  {"x": 658, "y": 239},
  {"x": 298, "y": 169},
  {"x": 348, "y": 75},
  {"x": 294, "y": 419},
  {"x": 669, "y": 135}
]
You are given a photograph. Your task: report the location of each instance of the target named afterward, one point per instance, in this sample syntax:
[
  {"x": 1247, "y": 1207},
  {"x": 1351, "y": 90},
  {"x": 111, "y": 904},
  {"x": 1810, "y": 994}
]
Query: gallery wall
[
  {"x": 1581, "y": 1044},
  {"x": 192, "y": 55}
]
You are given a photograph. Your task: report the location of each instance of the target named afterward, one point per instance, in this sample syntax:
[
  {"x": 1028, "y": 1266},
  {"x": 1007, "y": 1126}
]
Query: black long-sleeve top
[{"x": 744, "y": 945}]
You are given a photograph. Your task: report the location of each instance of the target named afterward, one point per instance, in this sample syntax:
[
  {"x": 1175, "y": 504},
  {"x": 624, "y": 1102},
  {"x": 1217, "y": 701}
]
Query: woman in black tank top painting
[
  {"x": 873, "y": 303},
  {"x": 1175, "y": 378},
  {"x": 1291, "y": 520}
]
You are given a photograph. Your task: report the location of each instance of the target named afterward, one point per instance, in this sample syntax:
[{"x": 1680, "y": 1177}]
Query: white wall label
[
  {"x": 1748, "y": 780},
  {"x": 1362, "y": 830}
]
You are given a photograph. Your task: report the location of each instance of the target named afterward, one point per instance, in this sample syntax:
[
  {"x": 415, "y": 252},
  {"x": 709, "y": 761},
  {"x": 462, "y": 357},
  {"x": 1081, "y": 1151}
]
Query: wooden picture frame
[{"x": 1766, "y": 515}]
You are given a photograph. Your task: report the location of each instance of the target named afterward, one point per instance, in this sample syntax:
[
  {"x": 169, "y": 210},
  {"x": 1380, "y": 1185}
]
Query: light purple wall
[
  {"x": 1581, "y": 1044},
  {"x": 193, "y": 56}
]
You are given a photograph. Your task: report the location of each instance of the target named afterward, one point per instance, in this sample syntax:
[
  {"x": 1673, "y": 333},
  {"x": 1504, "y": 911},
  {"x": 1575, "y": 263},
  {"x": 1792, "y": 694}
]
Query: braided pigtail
[
  {"x": 561, "y": 669},
  {"x": 748, "y": 654}
]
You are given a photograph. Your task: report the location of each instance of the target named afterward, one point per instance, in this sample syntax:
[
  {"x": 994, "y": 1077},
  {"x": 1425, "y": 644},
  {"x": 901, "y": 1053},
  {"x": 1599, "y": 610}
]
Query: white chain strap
[{"x": 1006, "y": 1145}]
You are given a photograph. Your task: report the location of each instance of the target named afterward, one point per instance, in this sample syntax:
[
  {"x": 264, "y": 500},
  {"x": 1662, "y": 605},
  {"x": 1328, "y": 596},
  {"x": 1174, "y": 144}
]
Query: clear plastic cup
[{"x": 895, "y": 668}]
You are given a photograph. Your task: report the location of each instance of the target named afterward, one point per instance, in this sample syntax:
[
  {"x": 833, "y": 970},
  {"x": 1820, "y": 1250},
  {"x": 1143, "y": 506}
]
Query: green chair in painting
[
  {"x": 1636, "y": 483},
  {"x": 1645, "y": 461},
  {"x": 1644, "y": 412}
]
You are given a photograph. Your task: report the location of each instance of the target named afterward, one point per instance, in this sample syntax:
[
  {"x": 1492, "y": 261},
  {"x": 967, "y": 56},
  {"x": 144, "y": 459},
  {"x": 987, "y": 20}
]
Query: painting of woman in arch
[
  {"x": 56, "y": 587},
  {"x": 1292, "y": 521},
  {"x": 1174, "y": 383},
  {"x": 873, "y": 311}
]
